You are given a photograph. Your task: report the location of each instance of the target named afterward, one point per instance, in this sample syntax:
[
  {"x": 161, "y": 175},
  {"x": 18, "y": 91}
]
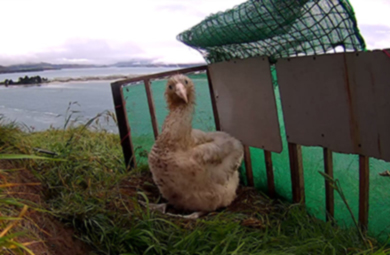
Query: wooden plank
[
  {"x": 123, "y": 125},
  {"x": 246, "y": 102},
  {"x": 270, "y": 174},
  {"x": 315, "y": 102},
  {"x": 161, "y": 75},
  {"x": 248, "y": 166},
  {"x": 152, "y": 110},
  {"x": 213, "y": 101},
  {"x": 363, "y": 191},
  {"x": 370, "y": 81},
  {"x": 329, "y": 191},
  {"x": 297, "y": 181},
  {"x": 338, "y": 101}
]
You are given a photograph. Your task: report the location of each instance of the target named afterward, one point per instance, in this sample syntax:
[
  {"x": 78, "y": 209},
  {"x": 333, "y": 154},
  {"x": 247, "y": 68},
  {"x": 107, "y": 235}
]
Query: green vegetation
[
  {"x": 92, "y": 191},
  {"x": 9, "y": 207},
  {"x": 25, "y": 81}
]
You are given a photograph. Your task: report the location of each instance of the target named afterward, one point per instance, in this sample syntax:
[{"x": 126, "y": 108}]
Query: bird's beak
[{"x": 181, "y": 91}]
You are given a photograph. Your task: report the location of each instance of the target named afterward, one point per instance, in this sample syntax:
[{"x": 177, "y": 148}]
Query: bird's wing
[
  {"x": 220, "y": 159},
  {"x": 201, "y": 137},
  {"x": 223, "y": 149}
]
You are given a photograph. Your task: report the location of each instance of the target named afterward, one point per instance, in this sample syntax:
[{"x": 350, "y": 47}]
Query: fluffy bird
[{"x": 194, "y": 170}]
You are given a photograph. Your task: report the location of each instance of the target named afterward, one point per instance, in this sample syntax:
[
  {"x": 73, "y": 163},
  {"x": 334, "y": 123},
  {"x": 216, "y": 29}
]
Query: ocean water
[
  {"x": 83, "y": 72},
  {"x": 39, "y": 107}
]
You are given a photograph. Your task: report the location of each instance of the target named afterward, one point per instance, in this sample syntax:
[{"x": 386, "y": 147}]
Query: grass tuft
[{"x": 88, "y": 188}]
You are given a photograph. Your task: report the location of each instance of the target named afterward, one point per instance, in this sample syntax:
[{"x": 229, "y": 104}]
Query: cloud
[
  {"x": 93, "y": 51},
  {"x": 373, "y": 12},
  {"x": 376, "y": 36},
  {"x": 116, "y": 30},
  {"x": 102, "y": 31},
  {"x": 176, "y": 7},
  {"x": 86, "y": 51}
]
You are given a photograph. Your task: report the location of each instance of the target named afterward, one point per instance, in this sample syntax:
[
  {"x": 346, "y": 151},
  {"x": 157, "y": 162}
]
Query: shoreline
[
  {"x": 64, "y": 80},
  {"x": 92, "y": 78}
]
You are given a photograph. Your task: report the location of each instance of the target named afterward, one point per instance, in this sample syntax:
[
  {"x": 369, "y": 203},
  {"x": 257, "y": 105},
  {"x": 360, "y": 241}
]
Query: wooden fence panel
[
  {"x": 246, "y": 102},
  {"x": 338, "y": 101}
]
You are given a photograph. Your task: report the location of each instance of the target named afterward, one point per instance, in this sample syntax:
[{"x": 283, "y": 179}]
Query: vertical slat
[
  {"x": 151, "y": 107},
  {"x": 248, "y": 166},
  {"x": 123, "y": 124},
  {"x": 298, "y": 186},
  {"x": 213, "y": 102},
  {"x": 363, "y": 191},
  {"x": 329, "y": 192},
  {"x": 270, "y": 174}
]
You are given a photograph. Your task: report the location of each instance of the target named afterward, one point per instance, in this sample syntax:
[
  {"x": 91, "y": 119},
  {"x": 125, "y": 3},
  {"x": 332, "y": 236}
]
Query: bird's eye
[
  {"x": 170, "y": 86},
  {"x": 186, "y": 82}
]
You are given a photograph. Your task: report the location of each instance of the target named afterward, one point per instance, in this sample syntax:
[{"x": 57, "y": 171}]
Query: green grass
[
  {"x": 11, "y": 210},
  {"x": 92, "y": 191}
]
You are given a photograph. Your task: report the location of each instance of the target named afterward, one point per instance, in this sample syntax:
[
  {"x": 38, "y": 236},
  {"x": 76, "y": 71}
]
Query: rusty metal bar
[
  {"x": 329, "y": 192},
  {"x": 248, "y": 166},
  {"x": 363, "y": 191},
  {"x": 152, "y": 109},
  {"x": 161, "y": 75},
  {"x": 297, "y": 181},
  {"x": 123, "y": 125},
  {"x": 270, "y": 174},
  {"x": 213, "y": 101}
]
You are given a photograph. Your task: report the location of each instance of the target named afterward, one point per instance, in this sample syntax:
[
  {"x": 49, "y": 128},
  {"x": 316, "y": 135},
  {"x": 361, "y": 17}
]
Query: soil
[{"x": 48, "y": 235}]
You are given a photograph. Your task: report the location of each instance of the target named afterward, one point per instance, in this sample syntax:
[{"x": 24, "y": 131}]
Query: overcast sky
[{"x": 94, "y": 31}]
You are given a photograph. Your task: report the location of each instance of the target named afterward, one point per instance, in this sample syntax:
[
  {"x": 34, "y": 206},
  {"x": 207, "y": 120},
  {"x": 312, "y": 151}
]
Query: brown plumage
[{"x": 193, "y": 170}]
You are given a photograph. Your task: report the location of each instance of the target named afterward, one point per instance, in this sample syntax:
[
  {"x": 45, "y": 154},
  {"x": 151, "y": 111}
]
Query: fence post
[
  {"x": 248, "y": 166},
  {"x": 329, "y": 192},
  {"x": 297, "y": 181},
  {"x": 213, "y": 102},
  {"x": 151, "y": 107},
  {"x": 270, "y": 174},
  {"x": 123, "y": 125},
  {"x": 363, "y": 191}
]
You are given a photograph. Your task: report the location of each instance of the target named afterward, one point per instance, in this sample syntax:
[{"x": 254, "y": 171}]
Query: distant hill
[
  {"x": 149, "y": 64},
  {"x": 37, "y": 67}
]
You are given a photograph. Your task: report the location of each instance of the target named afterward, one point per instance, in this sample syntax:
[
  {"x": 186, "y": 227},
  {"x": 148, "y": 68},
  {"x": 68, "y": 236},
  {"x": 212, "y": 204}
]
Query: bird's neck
[{"x": 177, "y": 127}]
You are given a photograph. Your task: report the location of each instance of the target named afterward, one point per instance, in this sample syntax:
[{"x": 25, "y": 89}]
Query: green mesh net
[{"x": 276, "y": 28}]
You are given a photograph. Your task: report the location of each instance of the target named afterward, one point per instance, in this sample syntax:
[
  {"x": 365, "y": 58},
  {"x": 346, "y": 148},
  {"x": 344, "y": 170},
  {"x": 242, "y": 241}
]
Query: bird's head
[{"x": 179, "y": 91}]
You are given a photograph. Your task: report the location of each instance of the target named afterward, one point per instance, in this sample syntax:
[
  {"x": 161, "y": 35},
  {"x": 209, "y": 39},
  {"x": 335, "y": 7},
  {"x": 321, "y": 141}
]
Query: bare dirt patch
[{"x": 47, "y": 235}]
